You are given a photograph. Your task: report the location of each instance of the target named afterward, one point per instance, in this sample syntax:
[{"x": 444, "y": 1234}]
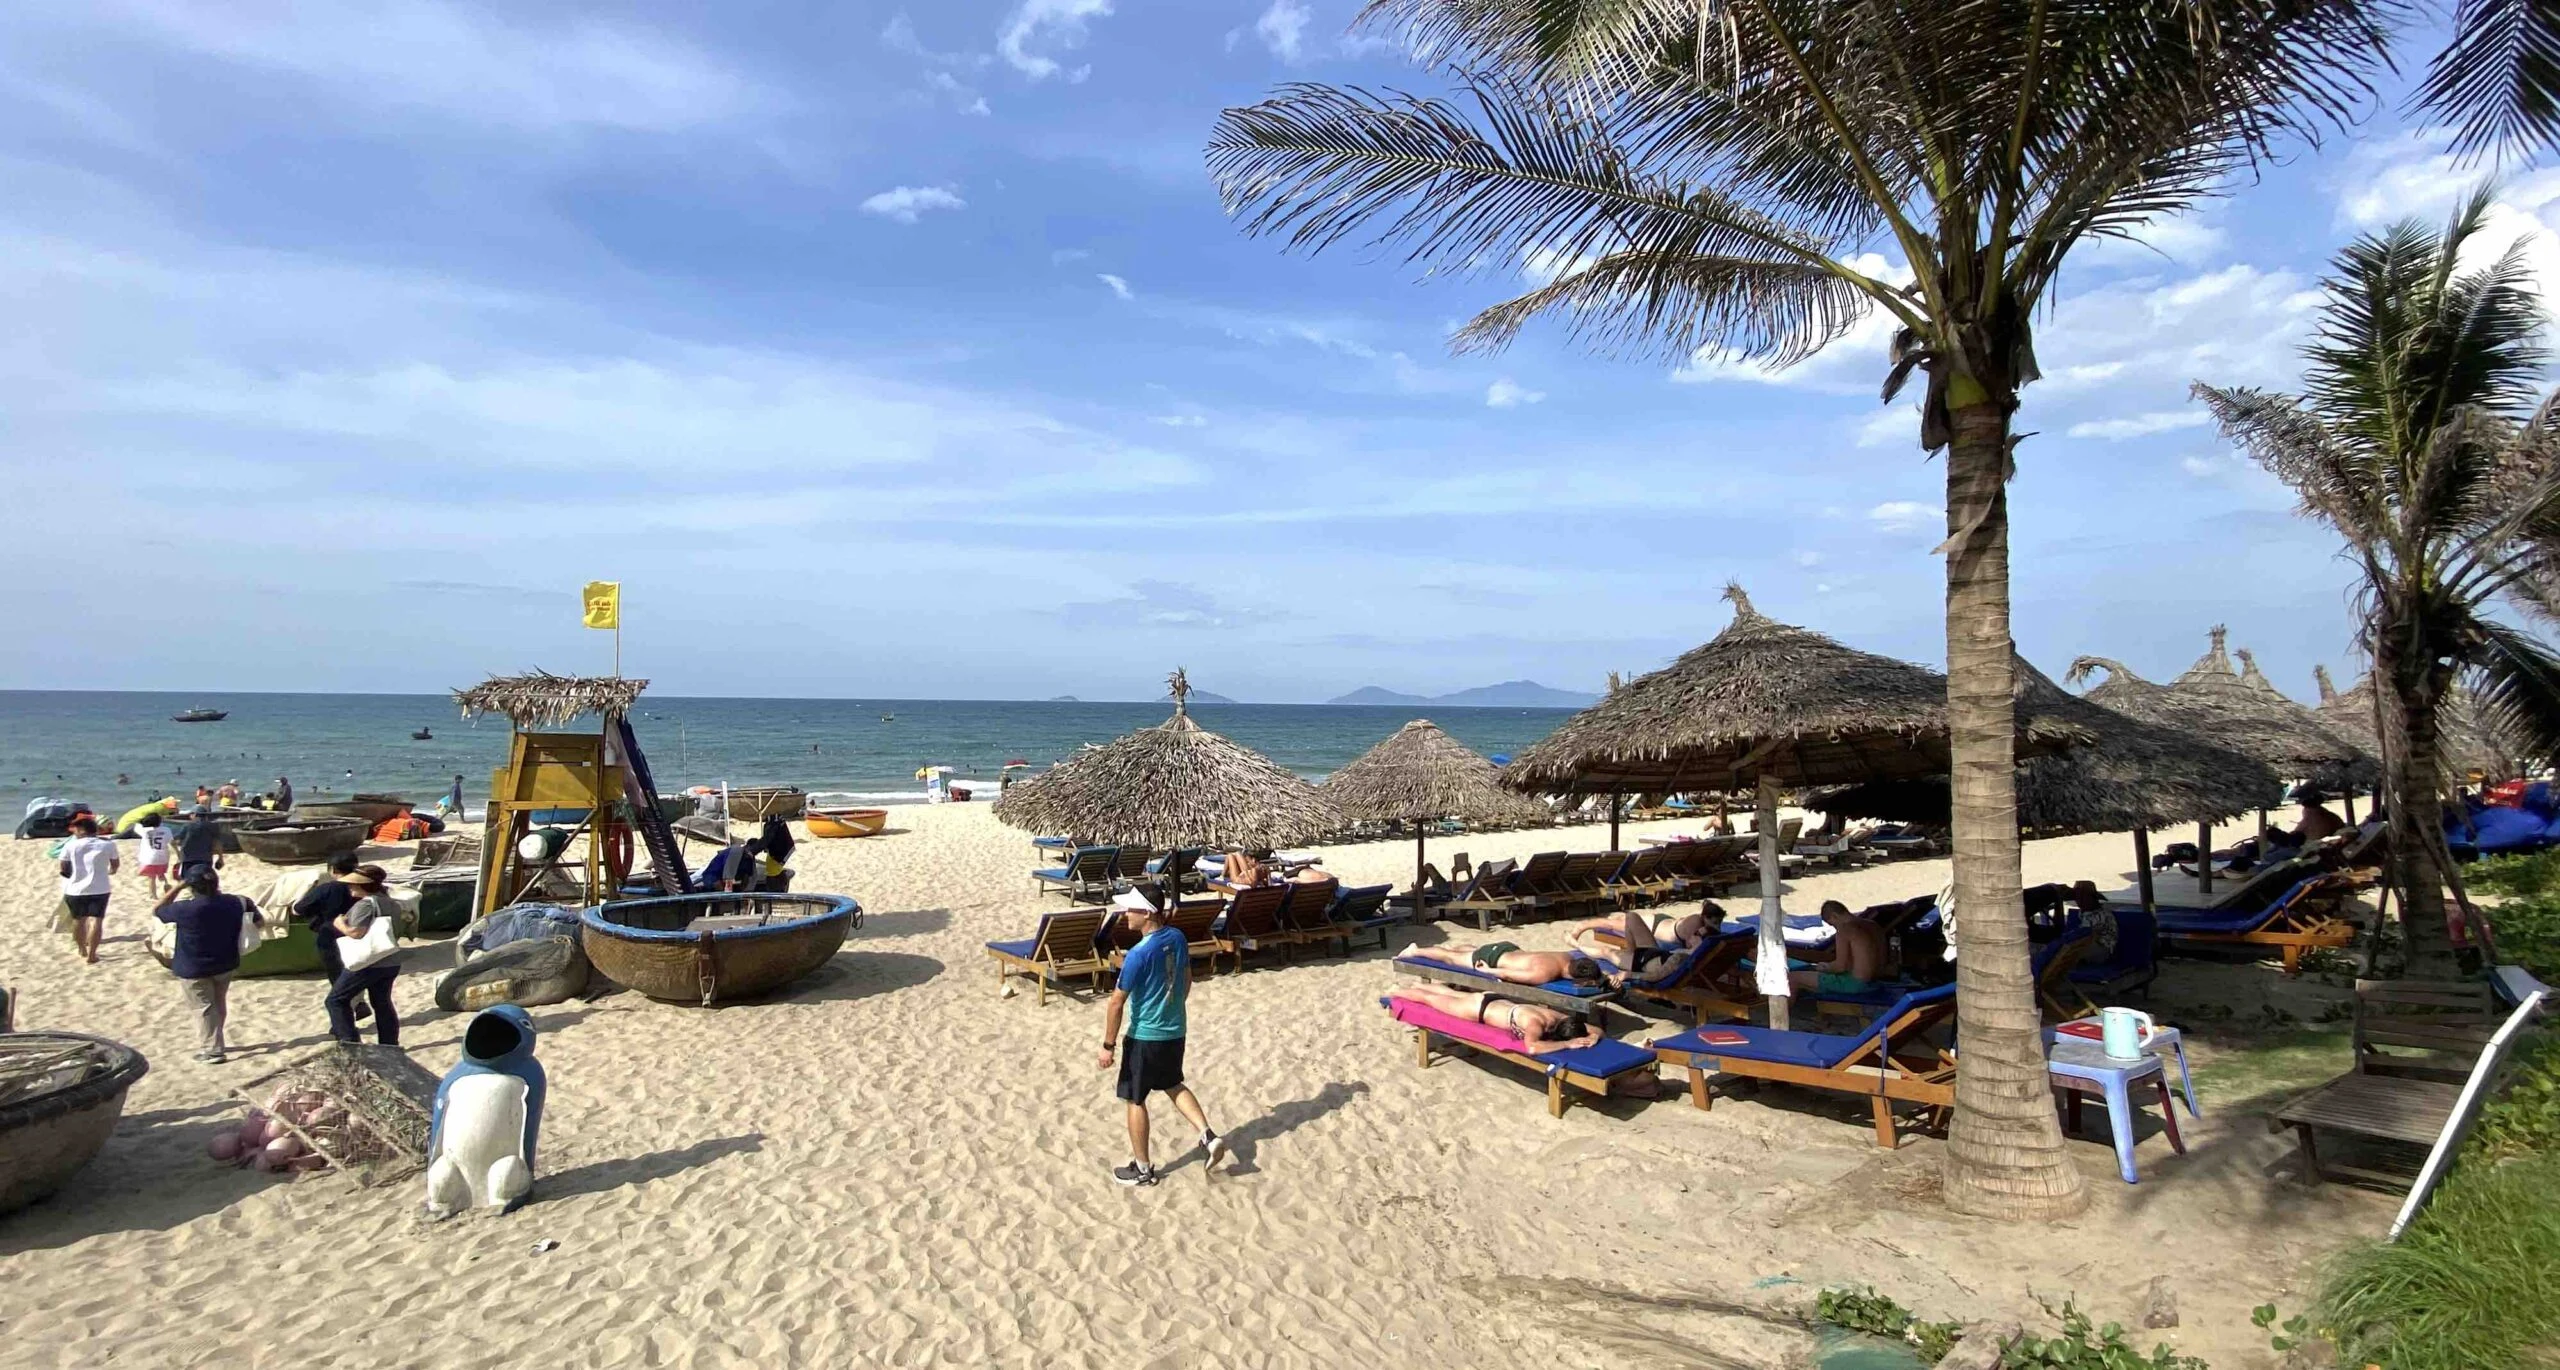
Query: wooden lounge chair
[
  {"x": 1888, "y": 1062},
  {"x": 1062, "y": 946},
  {"x": 1705, "y": 980},
  {"x": 1535, "y": 887},
  {"x": 1576, "y": 882},
  {"x": 1087, "y": 874},
  {"x": 1633, "y": 881},
  {"x": 2310, "y": 913},
  {"x": 1304, "y": 913},
  {"x": 1194, "y": 919},
  {"x": 1131, "y": 864},
  {"x": 2134, "y": 966},
  {"x": 1494, "y": 895},
  {"x": 1180, "y": 867},
  {"x": 1563, "y": 995},
  {"x": 1251, "y": 922},
  {"x": 2382, "y": 1099},
  {"x": 1595, "y": 1069},
  {"x": 1362, "y": 910}
]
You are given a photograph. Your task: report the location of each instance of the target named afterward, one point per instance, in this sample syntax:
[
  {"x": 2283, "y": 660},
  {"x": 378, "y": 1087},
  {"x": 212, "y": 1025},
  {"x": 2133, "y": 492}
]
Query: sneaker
[
  {"x": 1135, "y": 1174},
  {"x": 1215, "y": 1145}
]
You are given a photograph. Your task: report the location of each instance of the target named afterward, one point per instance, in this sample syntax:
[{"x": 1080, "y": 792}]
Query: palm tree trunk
[
  {"x": 2005, "y": 1156},
  {"x": 2412, "y": 773}
]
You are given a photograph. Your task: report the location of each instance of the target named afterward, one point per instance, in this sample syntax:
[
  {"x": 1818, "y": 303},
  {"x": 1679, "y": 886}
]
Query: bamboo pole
[{"x": 1769, "y": 963}]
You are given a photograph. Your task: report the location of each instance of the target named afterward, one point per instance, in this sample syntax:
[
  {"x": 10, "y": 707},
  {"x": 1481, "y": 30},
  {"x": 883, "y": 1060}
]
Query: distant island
[
  {"x": 1064, "y": 699},
  {"x": 1510, "y": 694}
]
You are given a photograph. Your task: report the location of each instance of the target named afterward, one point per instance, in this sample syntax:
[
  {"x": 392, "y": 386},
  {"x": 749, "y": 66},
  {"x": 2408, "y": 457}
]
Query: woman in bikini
[
  {"x": 1505, "y": 961},
  {"x": 1651, "y": 937},
  {"x": 1537, "y": 1029}
]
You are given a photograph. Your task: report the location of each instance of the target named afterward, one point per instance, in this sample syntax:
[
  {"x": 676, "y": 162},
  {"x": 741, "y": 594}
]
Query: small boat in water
[
  {"x": 836, "y": 815},
  {"x": 199, "y": 715},
  {"x": 423, "y": 735}
]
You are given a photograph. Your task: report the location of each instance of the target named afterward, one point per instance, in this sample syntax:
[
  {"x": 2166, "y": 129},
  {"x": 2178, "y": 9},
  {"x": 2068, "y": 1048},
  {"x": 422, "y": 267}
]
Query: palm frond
[
  {"x": 2292, "y": 444},
  {"x": 1671, "y": 302},
  {"x": 2517, "y": 680},
  {"x": 2499, "y": 79}
]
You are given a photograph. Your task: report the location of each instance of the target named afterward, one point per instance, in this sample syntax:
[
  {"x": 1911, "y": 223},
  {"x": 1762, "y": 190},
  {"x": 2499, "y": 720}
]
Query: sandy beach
[{"x": 890, "y": 1164}]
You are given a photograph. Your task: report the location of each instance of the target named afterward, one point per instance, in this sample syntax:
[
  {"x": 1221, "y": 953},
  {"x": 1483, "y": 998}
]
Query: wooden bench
[{"x": 2419, "y": 1099}]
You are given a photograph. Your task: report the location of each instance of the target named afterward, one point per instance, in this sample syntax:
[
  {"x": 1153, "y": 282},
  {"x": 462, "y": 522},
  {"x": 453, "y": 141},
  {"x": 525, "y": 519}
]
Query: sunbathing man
[
  {"x": 1651, "y": 937},
  {"x": 1505, "y": 961},
  {"x": 1539, "y": 1029},
  {"x": 1857, "y": 955}
]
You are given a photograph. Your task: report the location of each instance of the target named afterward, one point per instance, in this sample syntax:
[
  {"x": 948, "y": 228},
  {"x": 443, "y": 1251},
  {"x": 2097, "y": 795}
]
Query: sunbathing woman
[
  {"x": 1651, "y": 937},
  {"x": 1539, "y": 1029},
  {"x": 1507, "y": 962}
]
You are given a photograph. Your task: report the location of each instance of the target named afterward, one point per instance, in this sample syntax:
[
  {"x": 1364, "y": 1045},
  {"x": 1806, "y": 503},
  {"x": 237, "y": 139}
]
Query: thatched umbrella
[
  {"x": 1419, "y": 774},
  {"x": 2132, "y": 776},
  {"x": 539, "y": 699},
  {"x": 1174, "y": 784},
  {"x": 1763, "y": 705},
  {"x": 2473, "y": 739}
]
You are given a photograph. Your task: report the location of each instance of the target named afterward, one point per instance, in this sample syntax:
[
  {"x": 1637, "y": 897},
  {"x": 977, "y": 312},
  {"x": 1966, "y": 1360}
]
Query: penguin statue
[{"x": 488, "y": 1116}]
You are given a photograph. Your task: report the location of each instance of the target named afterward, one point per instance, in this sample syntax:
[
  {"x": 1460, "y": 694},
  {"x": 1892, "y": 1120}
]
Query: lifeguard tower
[{"x": 560, "y": 786}]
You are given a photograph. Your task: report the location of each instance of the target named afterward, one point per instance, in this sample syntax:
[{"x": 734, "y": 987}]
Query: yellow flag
[{"x": 603, "y": 601}]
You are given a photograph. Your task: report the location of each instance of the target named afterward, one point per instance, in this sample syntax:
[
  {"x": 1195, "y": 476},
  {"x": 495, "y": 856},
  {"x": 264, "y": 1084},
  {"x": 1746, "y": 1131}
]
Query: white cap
[{"x": 1130, "y": 901}]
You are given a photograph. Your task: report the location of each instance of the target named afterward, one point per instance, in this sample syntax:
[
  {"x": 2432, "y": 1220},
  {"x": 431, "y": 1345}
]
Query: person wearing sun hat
[{"x": 371, "y": 983}]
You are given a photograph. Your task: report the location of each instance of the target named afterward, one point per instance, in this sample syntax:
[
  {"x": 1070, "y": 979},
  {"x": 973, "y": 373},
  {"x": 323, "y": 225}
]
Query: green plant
[
  {"x": 2524, "y": 1120},
  {"x": 2527, "y": 929},
  {"x": 2083, "y": 1345},
  {"x": 2283, "y": 1337},
  {"x": 2535, "y": 874},
  {"x": 1877, "y": 1315},
  {"x": 2468, "y": 1285}
]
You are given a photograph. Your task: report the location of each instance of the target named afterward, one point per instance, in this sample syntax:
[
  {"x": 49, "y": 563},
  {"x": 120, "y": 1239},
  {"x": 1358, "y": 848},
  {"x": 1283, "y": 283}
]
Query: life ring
[{"x": 617, "y": 853}]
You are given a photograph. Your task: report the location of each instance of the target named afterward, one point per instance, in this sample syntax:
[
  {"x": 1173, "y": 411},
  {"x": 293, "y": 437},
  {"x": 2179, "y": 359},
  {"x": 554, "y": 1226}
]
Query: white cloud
[
  {"x": 1808, "y": 559},
  {"x": 1853, "y": 362},
  {"x": 1182, "y": 420},
  {"x": 1906, "y": 515},
  {"x": 1283, "y": 29},
  {"x": 2140, "y": 425},
  {"x": 1509, "y": 394},
  {"x": 1897, "y": 424},
  {"x": 906, "y": 203},
  {"x": 1546, "y": 265},
  {"x": 479, "y": 65},
  {"x": 2199, "y": 466},
  {"x": 1118, "y": 286},
  {"x": 1038, "y": 28},
  {"x": 2412, "y": 176},
  {"x": 2188, "y": 239},
  {"x": 941, "y": 68}
]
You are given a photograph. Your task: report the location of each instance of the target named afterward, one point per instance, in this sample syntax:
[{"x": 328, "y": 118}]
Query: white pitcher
[{"x": 2126, "y": 1032}]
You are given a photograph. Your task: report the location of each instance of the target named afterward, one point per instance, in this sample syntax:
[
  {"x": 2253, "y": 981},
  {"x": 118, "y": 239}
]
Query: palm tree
[
  {"x": 1712, "y": 173},
  {"x": 2499, "y": 79},
  {"x": 2413, "y": 441}
]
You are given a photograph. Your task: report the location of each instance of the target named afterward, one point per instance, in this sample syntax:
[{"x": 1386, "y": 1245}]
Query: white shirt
[
  {"x": 92, "y": 861},
  {"x": 152, "y": 845}
]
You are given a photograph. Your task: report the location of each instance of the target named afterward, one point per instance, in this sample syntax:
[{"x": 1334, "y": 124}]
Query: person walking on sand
[
  {"x": 1154, "y": 987},
  {"x": 87, "y": 868},
  {"x": 153, "y": 844},
  {"x": 199, "y": 846},
  {"x": 374, "y": 981},
  {"x": 319, "y": 908},
  {"x": 207, "y": 952}
]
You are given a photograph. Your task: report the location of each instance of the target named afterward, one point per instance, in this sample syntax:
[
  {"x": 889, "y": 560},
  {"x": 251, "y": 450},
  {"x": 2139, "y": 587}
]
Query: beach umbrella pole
[
  {"x": 2142, "y": 868},
  {"x": 2204, "y": 856},
  {"x": 1769, "y": 964},
  {"x": 1418, "y": 839},
  {"x": 1614, "y": 798}
]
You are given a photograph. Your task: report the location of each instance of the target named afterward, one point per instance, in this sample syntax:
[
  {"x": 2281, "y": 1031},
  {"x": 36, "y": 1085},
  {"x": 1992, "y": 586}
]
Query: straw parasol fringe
[
  {"x": 539, "y": 699},
  {"x": 1761, "y": 696},
  {"x": 2472, "y": 737},
  {"x": 1174, "y": 784}
]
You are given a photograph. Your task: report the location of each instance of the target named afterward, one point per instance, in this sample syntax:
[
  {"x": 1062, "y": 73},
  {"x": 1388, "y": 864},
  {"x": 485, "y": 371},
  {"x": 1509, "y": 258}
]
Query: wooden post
[
  {"x": 1418, "y": 906},
  {"x": 2142, "y": 869},
  {"x": 1769, "y": 960},
  {"x": 2204, "y": 856},
  {"x": 2349, "y": 799},
  {"x": 1615, "y": 799}
]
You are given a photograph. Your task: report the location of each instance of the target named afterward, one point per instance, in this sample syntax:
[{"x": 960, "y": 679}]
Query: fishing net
[{"x": 366, "y": 1108}]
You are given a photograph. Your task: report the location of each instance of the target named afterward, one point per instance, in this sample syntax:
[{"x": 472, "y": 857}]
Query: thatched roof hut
[
  {"x": 1761, "y": 699},
  {"x": 1175, "y": 784},
  {"x": 2259, "y": 720},
  {"x": 2132, "y": 776},
  {"x": 539, "y": 699},
  {"x": 2474, "y": 738},
  {"x": 1422, "y": 772}
]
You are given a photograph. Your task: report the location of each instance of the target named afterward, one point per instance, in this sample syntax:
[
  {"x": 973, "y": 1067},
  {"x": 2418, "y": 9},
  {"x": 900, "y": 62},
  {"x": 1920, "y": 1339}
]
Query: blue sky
[{"x": 890, "y": 350}]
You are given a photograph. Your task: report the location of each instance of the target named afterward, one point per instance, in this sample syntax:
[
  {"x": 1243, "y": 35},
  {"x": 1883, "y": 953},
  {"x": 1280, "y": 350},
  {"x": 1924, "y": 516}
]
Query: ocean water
[{"x": 113, "y": 750}]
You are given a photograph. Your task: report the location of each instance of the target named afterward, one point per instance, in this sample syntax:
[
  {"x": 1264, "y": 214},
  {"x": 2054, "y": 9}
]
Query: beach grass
[{"x": 2468, "y": 1285}]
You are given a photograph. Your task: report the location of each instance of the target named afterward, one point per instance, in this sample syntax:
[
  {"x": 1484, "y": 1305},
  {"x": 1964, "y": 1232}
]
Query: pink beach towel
[{"x": 1419, "y": 1015}]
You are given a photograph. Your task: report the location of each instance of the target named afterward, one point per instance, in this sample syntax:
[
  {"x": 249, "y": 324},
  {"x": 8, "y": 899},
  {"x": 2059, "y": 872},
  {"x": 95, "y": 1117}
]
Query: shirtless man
[
  {"x": 1857, "y": 955},
  {"x": 1505, "y": 961},
  {"x": 1651, "y": 937},
  {"x": 1540, "y": 1030}
]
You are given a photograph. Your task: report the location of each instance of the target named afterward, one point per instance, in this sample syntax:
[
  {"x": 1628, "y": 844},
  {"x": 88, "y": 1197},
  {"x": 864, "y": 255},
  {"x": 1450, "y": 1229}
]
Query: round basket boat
[
  {"x": 839, "y": 815},
  {"x": 304, "y": 841},
  {"x": 372, "y": 808},
  {"x": 60, "y": 1095},
  {"x": 756, "y": 803},
  {"x": 715, "y": 948}
]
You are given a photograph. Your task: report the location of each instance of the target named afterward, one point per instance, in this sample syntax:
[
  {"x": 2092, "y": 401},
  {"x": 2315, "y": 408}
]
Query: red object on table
[
  {"x": 1722, "y": 1038},
  {"x": 2507, "y": 794},
  {"x": 2083, "y": 1027}
]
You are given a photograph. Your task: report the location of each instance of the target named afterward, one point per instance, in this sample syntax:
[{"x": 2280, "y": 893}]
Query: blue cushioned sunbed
[{"x": 1817, "y": 1050}]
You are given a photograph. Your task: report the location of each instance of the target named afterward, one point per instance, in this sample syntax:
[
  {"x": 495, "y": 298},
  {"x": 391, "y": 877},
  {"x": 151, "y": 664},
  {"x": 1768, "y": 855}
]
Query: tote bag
[{"x": 381, "y": 938}]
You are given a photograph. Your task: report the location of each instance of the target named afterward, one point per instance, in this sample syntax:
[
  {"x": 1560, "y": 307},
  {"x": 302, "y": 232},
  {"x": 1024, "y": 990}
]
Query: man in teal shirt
[{"x": 1155, "y": 980}]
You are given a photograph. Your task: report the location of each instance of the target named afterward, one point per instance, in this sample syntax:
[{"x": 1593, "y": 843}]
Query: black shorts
[
  {"x": 1149, "y": 1068},
  {"x": 95, "y": 906}
]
